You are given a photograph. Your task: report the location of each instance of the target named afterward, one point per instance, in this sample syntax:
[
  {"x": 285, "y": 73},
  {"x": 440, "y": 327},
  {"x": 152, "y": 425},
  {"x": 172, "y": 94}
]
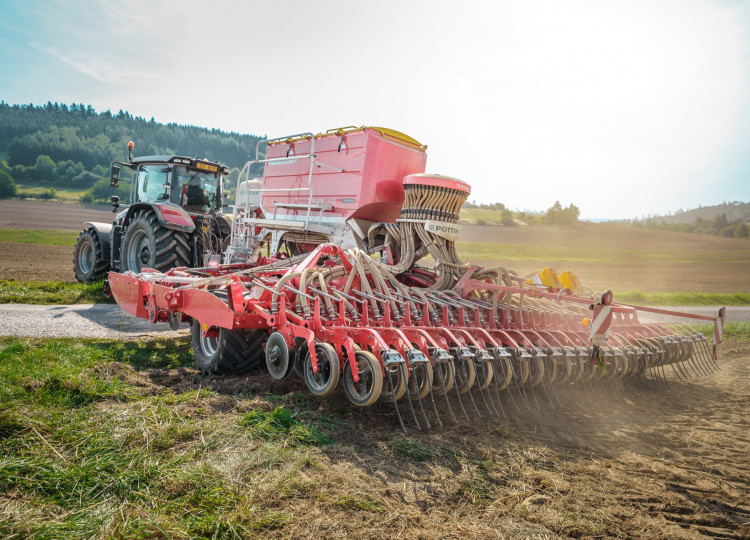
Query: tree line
[
  {"x": 557, "y": 214},
  {"x": 718, "y": 226},
  {"x": 72, "y": 145}
]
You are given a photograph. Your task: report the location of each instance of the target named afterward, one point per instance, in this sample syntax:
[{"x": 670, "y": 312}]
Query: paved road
[
  {"x": 109, "y": 321},
  {"x": 80, "y": 320}
]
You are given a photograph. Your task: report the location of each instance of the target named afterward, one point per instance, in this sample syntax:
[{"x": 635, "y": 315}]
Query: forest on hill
[
  {"x": 72, "y": 146},
  {"x": 728, "y": 219}
]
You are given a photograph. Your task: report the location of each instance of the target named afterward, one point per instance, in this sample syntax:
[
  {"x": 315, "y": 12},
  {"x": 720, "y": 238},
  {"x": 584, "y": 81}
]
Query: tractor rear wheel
[
  {"x": 89, "y": 263},
  {"x": 227, "y": 351},
  {"x": 148, "y": 244}
]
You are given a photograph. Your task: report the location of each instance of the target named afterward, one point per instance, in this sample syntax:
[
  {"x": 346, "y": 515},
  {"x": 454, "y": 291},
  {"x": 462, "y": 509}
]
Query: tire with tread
[
  {"x": 148, "y": 244},
  {"x": 231, "y": 352},
  {"x": 89, "y": 263}
]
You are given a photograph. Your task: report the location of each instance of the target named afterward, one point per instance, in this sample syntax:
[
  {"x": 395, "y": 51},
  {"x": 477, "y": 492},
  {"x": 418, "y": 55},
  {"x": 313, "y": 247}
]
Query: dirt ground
[
  {"x": 54, "y": 263},
  {"x": 643, "y": 465}
]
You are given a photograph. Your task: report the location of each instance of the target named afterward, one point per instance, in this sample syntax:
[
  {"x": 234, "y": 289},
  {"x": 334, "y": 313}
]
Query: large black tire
[
  {"x": 230, "y": 352},
  {"x": 89, "y": 262},
  {"x": 147, "y": 244}
]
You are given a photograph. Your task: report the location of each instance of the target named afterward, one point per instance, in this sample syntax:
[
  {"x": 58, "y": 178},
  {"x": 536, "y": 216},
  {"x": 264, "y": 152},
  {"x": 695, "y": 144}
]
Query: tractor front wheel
[
  {"x": 148, "y": 244},
  {"x": 89, "y": 263}
]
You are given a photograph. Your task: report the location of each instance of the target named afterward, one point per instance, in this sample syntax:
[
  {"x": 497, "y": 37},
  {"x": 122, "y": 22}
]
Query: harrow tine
[
  {"x": 432, "y": 398},
  {"x": 445, "y": 392},
  {"x": 531, "y": 382},
  {"x": 552, "y": 385},
  {"x": 504, "y": 365},
  {"x": 497, "y": 391},
  {"x": 573, "y": 392},
  {"x": 408, "y": 396},
  {"x": 521, "y": 388},
  {"x": 481, "y": 373},
  {"x": 468, "y": 391},
  {"x": 707, "y": 355},
  {"x": 419, "y": 396},
  {"x": 458, "y": 392},
  {"x": 701, "y": 345},
  {"x": 395, "y": 402}
]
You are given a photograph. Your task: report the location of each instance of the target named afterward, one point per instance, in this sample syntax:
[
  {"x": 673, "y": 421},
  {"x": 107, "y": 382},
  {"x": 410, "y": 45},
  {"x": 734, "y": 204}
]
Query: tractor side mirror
[{"x": 114, "y": 176}]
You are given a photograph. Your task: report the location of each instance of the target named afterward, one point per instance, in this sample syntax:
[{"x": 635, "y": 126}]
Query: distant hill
[
  {"x": 62, "y": 146},
  {"x": 78, "y": 134},
  {"x": 734, "y": 211},
  {"x": 727, "y": 219}
]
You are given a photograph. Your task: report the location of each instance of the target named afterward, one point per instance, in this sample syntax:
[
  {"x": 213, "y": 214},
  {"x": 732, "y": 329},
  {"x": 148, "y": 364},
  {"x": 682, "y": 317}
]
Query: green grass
[
  {"x": 62, "y": 195},
  {"x": 33, "y": 236},
  {"x": 136, "y": 467},
  {"x": 739, "y": 330},
  {"x": 683, "y": 299},
  {"x": 52, "y": 292},
  {"x": 95, "y": 442}
]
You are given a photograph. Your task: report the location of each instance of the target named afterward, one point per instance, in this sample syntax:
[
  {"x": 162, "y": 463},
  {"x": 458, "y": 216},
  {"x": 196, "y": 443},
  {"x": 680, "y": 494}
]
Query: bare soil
[
  {"x": 54, "y": 263},
  {"x": 645, "y": 465}
]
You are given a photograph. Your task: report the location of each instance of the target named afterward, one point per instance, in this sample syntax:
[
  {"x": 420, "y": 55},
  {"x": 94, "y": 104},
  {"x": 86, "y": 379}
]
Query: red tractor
[{"x": 174, "y": 219}]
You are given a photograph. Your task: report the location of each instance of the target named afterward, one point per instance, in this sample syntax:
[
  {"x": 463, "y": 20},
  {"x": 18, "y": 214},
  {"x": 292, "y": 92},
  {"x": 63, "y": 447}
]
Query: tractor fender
[
  {"x": 169, "y": 215},
  {"x": 103, "y": 231}
]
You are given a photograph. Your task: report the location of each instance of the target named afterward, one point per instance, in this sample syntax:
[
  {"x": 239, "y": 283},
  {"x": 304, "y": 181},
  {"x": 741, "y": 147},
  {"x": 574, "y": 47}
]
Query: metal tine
[
  {"x": 432, "y": 398},
  {"x": 552, "y": 357},
  {"x": 445, "y": 393},
  {"x": 567, "y": 378},
  {"x": 697, "y": 369},
  {"x": 530, "y": 382},
  {"x": 691, "y": 336},
  {"x": 541, "y": 356},
  {"x": 507, "y": 386},
  {"x": 458, "y": 392},
  {"x": 408, "y": 395},
  {"x": 655, "y": 370},
  {"x": 468, "y": 390},
  {"x": 682, "y": 342},
  {"x": 482, "y": 392},
  {"x": 701, "y": 345},
  {"x": 419, "y": 396},
  {"x": 497, "y": 386},
  {"x": 578, "y": 382},
  {"x": 490, "y": 362},
  {"x": 521, "y": 388},
  {"x": 675, "y": 352},
  {"x": 708, "y": 356},
  {"x": 395, "y": 402},
  {"x": 611, "y": 375}
]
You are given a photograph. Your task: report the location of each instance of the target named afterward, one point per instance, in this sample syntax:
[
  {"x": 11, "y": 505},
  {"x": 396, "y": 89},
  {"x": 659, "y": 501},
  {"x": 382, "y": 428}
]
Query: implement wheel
[
  {"x": 325, "y": 380},
  {"x": 370, "y": 385},
  {"x": 147, "y": 244},
  {"x": 89, "y": 263},
  {"x": 227, "y": 351}
]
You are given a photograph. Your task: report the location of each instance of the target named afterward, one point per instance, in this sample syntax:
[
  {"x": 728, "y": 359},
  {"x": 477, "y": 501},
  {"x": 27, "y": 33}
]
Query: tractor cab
[{"x": 193, "y": 184}]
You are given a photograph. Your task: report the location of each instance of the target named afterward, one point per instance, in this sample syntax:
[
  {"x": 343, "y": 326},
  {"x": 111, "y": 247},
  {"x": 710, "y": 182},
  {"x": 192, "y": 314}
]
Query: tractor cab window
[
  {"x": 195, "y": 191},
  {"x": 152, "y": 180}
]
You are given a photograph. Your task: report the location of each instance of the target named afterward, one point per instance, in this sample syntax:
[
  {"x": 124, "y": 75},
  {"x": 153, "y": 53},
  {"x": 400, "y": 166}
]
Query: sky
[{"x": 623, "y": 108}]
